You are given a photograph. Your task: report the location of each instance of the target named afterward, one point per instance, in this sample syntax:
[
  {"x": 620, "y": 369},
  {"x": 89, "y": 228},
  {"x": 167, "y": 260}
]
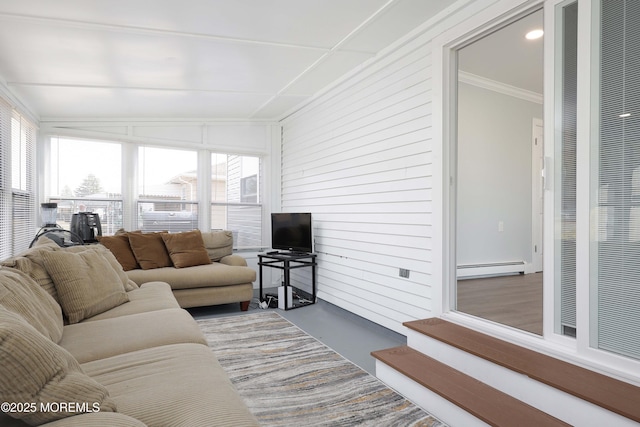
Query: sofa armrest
[
  {"x": 234, "y": 260},
  {"x": 97, "y": 419}
]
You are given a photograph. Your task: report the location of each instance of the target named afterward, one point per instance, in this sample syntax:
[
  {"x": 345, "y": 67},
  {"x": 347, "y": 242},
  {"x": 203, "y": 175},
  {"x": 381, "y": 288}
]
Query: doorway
[{"x": 498, "y": 162}]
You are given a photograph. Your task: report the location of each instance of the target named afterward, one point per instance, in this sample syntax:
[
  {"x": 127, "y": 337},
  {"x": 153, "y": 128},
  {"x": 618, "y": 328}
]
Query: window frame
[
  {"x": 130, "y": 177},
  {"x": 576, "y": 350}
]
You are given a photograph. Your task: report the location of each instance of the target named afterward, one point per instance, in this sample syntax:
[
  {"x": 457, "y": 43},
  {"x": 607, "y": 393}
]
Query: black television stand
[
  {"x": 287, "y": 261},
  {"x": 288, "y": 253}
]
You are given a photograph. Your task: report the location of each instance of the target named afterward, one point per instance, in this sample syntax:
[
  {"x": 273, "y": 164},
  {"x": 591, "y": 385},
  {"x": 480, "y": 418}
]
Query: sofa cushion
[
  {"x": 186, "y": 249},
  {"x": 20, "y": 294},
  {"x": 121, "y": 249},
  {"x": 173, "y": 385},
  {"x": 150, "y": 296},
  {"x": 36, "y": 371},
  {"x": 31, "y": 263},
  {"x": 86, "y": 340},
  {"x": 129, "y": 285},
  {"x": 198, "y": 276},
  {"x": 98, "y": 419},
  {"x": 149, "y": 250},
  {"x": 86, "y": 283},
  {"x": 218, "y": 243}
]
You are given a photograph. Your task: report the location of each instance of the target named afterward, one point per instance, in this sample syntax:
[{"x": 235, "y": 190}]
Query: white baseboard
[{"x": 492, "y": 269}]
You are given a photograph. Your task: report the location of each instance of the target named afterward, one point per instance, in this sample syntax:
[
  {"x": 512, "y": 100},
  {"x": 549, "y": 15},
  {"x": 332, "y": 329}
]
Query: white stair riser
[{"x": 431, "y": 402}]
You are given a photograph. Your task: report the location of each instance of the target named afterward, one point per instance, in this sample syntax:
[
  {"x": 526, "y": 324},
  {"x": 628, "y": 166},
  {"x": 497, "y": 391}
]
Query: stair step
[
  {"x": 484, "y": 402},
  {"x": 609, "y": 393}
]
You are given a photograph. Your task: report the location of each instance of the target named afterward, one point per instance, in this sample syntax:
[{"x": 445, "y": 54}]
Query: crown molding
[
  {"x": 499, "y": 87},
  {"x": 17, "y": 104}
]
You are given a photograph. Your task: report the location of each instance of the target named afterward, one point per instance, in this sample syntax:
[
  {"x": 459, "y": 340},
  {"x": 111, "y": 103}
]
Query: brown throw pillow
[
  {"x": 36, "y": 372},
  {"x": 86, "y": 283},
  {"x": 149, "y": 250},
  {"x": 186, "y": 249},
  {"x": 121, "y": 249}
]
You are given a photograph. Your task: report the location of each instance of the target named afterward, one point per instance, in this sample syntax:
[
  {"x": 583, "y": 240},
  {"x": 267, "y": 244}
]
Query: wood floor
[{"x": 514, "y": 300}]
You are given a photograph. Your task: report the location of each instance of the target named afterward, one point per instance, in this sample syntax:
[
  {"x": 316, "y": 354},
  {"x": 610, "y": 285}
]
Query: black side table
[{"x": 288, "y": 261}]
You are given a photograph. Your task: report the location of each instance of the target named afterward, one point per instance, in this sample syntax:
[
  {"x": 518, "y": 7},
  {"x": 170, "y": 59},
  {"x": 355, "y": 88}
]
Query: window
[
  {"x": 17, "y": 161},
  {"x": 565, "y": 196},
  {"x": 86, "y": 177},
  {"x": 23, "y": 139},
  {"x": 167, "y": 189},
  {"x": 235, "y": 198},
  {"x": 615, "y": 181},
  {"x": 164, "y": 189}
]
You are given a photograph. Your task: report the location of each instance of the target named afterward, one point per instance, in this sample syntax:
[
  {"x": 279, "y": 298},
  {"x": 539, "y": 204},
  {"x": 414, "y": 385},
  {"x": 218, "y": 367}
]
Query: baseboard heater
[{"x": 491, "y": 269}]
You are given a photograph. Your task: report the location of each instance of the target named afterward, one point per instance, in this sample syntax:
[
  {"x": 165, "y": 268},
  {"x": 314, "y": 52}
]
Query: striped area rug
[{"x": 288, "y": 378}]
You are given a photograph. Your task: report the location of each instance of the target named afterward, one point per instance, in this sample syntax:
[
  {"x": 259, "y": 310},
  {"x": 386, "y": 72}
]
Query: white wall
[
  {"x": 359, "y": 160},
  {"x": 359, "y": 157},
  {"x": 494, "y": 176}
]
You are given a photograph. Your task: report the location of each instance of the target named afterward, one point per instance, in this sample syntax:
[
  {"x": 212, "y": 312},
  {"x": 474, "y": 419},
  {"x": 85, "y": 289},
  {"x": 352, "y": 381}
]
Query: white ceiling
[{"x": 223, "y": 59}]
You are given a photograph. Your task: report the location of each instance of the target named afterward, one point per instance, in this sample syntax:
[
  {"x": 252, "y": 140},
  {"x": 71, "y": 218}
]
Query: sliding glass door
[{"x": 614, "y": 187}]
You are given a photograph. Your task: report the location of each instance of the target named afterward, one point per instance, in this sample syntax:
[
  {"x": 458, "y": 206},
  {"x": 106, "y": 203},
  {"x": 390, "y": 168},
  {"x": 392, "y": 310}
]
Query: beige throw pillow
[
  {"x": 86, "y": 283},
  {"x": 20, "y": 294},
  {"x": 31, "y": 263},
  {"x": 128, "y": 284},
  {"x": 218, "y": 244},
  {"x": 39, "y": 374},
  {"x": 186, "y": 249}
]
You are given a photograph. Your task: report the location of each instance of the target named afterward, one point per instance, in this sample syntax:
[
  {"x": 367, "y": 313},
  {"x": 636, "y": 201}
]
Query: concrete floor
[{"x": 349, "y": 335}]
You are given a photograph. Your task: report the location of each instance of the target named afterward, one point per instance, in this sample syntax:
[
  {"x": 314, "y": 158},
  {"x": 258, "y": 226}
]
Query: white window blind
[
  {"x": 615, "y": 187},
  {"x": 23, "y": 140},
  {"x": 5, "y": 179},
  {"x": 17, "y": 176},
  {"x": 566, "y": 164}
]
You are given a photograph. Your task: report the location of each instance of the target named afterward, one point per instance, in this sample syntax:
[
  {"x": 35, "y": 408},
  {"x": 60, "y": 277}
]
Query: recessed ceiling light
[{"x": 534, "y": 34}]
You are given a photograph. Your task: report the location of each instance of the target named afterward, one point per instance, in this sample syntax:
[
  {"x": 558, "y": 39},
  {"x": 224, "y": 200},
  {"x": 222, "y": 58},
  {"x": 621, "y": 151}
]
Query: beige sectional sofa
[
  {"x": 82, "y": 345},
  {"x": 200, "y": 267}
]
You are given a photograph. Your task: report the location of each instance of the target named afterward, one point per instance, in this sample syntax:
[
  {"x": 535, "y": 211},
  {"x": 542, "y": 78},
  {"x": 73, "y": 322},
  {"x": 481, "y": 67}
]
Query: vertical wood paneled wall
[{"x": 359, "y": 159}]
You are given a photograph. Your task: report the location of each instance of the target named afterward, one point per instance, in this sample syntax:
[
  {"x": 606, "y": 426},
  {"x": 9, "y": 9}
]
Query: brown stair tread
[
  {"x": 612, "y": 394},
  {"x": 484, "y": 402}
]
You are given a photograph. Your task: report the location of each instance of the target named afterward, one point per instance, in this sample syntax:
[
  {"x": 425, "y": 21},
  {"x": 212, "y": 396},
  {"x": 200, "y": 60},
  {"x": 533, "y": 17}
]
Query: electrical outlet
[{"x": 500, "y": 226}]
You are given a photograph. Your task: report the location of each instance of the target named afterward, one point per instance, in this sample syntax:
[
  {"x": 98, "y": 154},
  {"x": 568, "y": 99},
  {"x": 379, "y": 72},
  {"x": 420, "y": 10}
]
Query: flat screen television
[{"x": 291, "y": 232}]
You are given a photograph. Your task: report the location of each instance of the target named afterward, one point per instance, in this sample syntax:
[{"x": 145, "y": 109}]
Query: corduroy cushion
[
  {"x": 198, "y": 276},
  {"x": 218, "y": 244},
  {"x": 121, "y": 249},
  {"x": 20, "y": 294},
  {"x": 86, "y": 340},
  {"x": 150, "y": 296},
  {"x": 186, "y": 249},
  {"x": 36, "y": 371},
  {"x": 129, "y": 285},
  {"x": 31, "y": 263},
  {"x": 86, "y": 283},
  {"x": 149, "y": 250},
  {"x": 172, "y": 385},
  {"x": 98, "y": 419}
]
